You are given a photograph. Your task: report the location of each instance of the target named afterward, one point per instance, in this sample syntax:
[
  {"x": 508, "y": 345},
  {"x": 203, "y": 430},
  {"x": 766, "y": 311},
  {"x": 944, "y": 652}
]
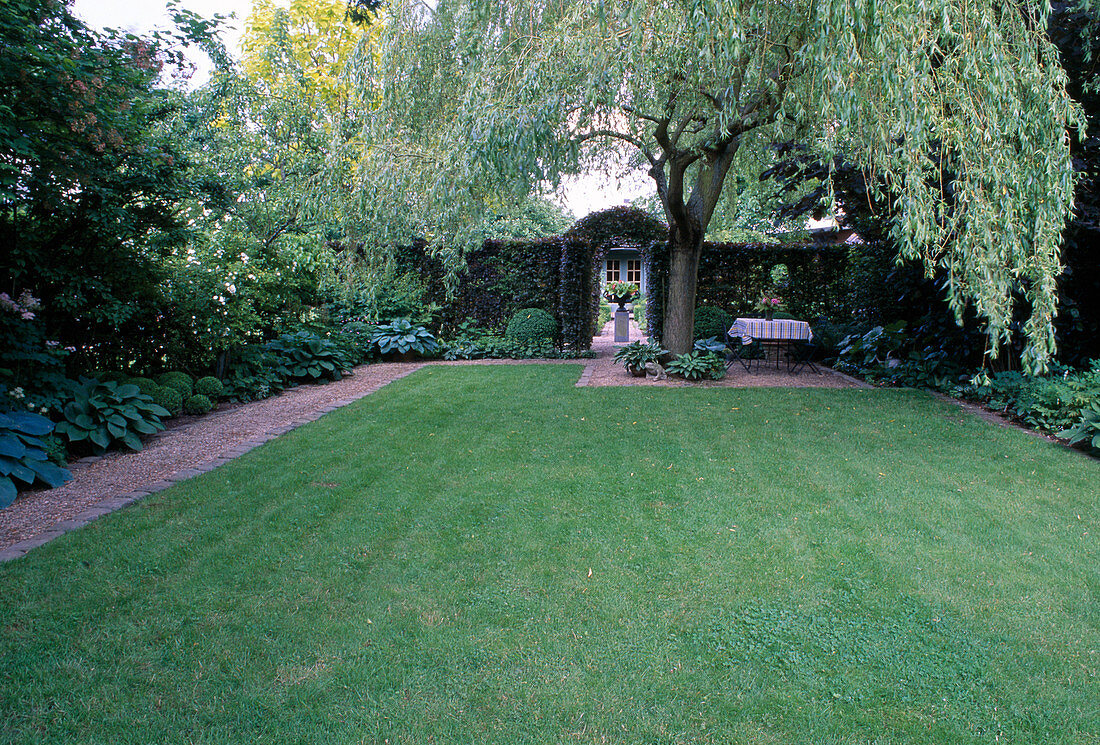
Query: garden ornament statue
[{"x": 654, "y": 371}]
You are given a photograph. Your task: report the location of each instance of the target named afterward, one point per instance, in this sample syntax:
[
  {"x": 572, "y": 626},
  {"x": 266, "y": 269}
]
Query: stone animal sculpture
[{"x": 654, "y": 371}]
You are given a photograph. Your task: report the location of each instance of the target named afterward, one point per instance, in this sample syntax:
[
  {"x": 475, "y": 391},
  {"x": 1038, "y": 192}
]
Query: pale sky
[{"x": 580, "y": 195}]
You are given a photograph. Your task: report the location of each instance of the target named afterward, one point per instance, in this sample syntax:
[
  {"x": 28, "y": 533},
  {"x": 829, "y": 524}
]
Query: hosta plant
[
  {"x": 636, "y": 355},
  {"x": 304, "y": 356},
  {"x": 102, "y": 416},
  {"x": 402, "y": 337},
  {"x": 1087, "y": 430},
  {"x": 710, "y": 344},
  {"x": 23, "y": 454},
  {"x": 696, "y": 366},
  {"x": 254, "y": 373}
]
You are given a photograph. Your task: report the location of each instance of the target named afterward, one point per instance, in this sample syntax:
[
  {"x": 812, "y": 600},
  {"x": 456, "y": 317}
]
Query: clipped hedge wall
[
  {"x": 558, "y": 275},
  {"x": 732, "y": 276},
  {"x": 561, "y": 275}
]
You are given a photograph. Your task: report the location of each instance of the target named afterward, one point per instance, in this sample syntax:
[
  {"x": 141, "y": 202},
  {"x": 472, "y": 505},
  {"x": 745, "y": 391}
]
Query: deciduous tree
[{"x": 484, "y": 97}]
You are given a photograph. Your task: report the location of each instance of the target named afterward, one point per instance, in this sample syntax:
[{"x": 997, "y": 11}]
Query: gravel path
[{"x": 102, "y": 485}]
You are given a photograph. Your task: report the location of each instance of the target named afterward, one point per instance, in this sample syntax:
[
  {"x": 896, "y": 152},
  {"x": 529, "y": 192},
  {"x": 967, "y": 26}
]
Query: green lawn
[{"x": 491, "y": 555}]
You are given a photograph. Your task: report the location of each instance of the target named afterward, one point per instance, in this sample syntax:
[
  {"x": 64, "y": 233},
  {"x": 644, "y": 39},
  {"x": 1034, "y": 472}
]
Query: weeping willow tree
[{"x": 958, "y": 106}]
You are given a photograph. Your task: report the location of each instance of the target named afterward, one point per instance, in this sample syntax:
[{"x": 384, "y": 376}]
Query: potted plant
[
  {"x": 636, "y": 355},
  {"x": 620, "y": 292}
]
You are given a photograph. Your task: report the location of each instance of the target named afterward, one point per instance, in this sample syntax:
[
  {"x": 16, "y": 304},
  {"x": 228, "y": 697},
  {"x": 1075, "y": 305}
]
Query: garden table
[{"x": 776, "y": 334}]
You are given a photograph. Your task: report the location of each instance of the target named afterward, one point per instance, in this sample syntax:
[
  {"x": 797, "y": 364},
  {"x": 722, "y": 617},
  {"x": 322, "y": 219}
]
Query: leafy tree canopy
[
  {"x": 301, "y": 50},
  {"x": 959, "y": 105},
  {"x": 89, "y": 180},
  {"x": 532, "y": 218}
]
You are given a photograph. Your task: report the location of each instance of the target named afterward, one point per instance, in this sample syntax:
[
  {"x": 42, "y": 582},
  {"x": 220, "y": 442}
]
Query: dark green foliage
[
  {"x": 1077, "y": 35},
  {"x": 532, "y": 326},
  {"x": 30, "y": 363},
  {"x": 254, "y": 373},
  {"x": 307, "y": 357},
  {"x": 711, "y": 322},
  {"x": 578, "y": 293},
  {"x": 197, "y": 405},
  {"x": 473, "y": 343},
  {"x": 875, "y": 347},
  {"x": 401, "y": 336},
  {"x": 409, "y": 285},
  {"x": 102, "y": 416},
  {"x": 170, "y": 399},
  {"x": 618, "y": 227},
  {"x": 601, "y": 231},
  {"x": 1087, "y": 430},
  {"x": 732, "y": 276},
  {"x": 876, "y": 289},
  {"x": 1054, "y": 403},
  {"x": 635, "y": 355},
  {"x": 698, "y": 365},
  {"x": 24, "y": 457},
  {"x": 181, "y": 381},
  {"x": 559, "y": 275},
  {"x": 89, "y": 181},
  {"x": 502, "y": 277},
  {"x": 146, "y": 385},
  {"x": 355, "y": 340},
  {"x": 210, "y": 387}
]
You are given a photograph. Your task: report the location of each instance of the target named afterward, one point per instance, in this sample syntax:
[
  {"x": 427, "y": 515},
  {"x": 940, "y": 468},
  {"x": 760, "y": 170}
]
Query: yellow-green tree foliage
[{"x": 302, "y": 49}]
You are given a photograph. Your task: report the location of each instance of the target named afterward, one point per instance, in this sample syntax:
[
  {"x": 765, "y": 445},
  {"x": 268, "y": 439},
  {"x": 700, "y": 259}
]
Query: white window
[{"x": 612, "y": 270}]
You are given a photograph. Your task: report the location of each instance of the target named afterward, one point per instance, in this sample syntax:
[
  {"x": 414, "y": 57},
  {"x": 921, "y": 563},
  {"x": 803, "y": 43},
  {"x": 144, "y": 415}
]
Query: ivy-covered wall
[{"x": 732, "y": 276}]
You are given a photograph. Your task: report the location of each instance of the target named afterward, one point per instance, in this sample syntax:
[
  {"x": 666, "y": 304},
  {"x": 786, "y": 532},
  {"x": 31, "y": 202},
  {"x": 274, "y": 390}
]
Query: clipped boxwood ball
[
  {"x": 181, "y": 381},
  {"x": 197, "y": 404},
  {"x": 711, "y": 321},
  {"x": 531, "y": 326},
  {"x": 210, "y": 387},
  {"x": 145, "y": 385},
  {"x": 170, "y": 398}
]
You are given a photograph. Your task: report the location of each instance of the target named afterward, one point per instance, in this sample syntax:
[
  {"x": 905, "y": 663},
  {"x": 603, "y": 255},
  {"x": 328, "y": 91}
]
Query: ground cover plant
[{"x": 492, "y": 555}]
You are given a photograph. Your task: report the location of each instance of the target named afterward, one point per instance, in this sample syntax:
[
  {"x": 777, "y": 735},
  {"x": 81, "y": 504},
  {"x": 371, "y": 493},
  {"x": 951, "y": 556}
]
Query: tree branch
[{"x": 619, "y": 136}]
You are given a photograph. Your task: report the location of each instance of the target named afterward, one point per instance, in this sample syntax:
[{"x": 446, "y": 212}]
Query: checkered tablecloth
[{"x": 778, "y": 330}]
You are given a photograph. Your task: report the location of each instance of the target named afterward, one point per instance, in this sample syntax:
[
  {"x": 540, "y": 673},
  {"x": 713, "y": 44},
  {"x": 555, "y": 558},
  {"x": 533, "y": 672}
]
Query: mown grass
[{"x": 491, "y": 555}]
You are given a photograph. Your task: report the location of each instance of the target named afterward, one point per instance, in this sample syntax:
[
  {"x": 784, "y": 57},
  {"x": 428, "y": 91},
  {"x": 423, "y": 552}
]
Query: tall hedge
[
  {"x": 732, "y": 276},
  {"x": 554, "y": 274}
]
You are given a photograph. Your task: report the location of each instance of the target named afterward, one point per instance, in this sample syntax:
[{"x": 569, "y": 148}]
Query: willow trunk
[{"x": 683, "y": 274}]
